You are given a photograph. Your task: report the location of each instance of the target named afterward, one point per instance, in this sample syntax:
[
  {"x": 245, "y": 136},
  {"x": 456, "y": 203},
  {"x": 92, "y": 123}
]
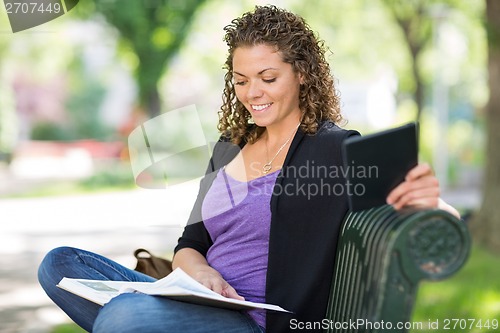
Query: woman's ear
[{"x": 301, "y": 79}]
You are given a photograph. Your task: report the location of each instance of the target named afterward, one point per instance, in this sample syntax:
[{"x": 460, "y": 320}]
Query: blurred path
[{"x": 113, "y": 224}]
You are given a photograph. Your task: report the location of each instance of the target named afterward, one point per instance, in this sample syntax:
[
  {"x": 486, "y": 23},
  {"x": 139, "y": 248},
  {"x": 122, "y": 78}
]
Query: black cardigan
[{"x": 307, "y": 208}]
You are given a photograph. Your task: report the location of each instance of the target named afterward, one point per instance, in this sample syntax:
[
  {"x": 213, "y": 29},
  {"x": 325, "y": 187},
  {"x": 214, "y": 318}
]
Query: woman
[{"x": 256, "y": 231}]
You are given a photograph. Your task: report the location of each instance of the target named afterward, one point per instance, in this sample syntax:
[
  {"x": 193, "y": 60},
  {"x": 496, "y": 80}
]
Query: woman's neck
[{"x": 276, "y": 135}]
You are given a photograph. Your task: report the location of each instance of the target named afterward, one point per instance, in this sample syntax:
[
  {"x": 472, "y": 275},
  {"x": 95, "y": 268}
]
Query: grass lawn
[
  {"x": 471, "y": 297},
  {"x": 68, "y": 328}
]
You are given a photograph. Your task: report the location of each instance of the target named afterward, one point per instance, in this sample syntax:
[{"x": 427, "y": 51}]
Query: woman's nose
[{"x": 254, "y": 90}]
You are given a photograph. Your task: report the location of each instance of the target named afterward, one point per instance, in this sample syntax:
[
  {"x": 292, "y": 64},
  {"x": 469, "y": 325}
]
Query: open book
[{"x": 177, "y": 285}]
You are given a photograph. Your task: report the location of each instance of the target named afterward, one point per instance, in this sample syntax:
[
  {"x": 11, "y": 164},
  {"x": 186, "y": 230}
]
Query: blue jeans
[{"x": 129, "y": 312}]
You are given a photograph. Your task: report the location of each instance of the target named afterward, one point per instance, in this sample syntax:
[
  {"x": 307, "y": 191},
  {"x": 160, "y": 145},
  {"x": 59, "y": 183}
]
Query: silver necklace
[{"x": 268, "y": 166}]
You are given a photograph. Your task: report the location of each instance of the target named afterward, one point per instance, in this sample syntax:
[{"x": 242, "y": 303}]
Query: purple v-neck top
[{"x": 237, "y": 215}]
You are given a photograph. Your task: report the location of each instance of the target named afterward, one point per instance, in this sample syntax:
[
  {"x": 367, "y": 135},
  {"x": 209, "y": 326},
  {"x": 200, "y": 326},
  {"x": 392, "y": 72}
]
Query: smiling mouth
[{"x": 260, "y": 107}]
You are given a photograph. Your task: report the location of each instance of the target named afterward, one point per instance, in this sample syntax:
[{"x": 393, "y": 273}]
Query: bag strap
[{"x": 142, "y": 253}]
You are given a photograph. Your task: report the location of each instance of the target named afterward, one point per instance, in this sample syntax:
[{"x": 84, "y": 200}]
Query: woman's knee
[
  {"x": 128, "y": 313},
  {"x": 47, "y": 270}
]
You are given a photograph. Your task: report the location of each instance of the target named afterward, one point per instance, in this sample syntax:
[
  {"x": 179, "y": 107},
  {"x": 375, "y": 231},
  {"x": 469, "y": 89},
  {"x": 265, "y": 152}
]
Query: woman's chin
[{"x": 260, "y": 121}]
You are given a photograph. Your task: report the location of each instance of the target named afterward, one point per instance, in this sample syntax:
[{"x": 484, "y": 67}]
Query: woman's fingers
[
  {"x": 217, "y": 284},
  {"x": 230, "y": 292},
  {"x": 426, "y": 197},
  {"x": 420, "y": 188},
  {"x": 419, "y": 171}
]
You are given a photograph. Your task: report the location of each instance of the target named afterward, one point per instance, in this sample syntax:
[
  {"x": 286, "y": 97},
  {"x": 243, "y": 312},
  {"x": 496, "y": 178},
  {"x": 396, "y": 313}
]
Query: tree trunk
[
  {"x": 410, "y": 16},
  {"x": 148, "y": 75},
  {"x": 486, "y": 225},
  {"x": 153, "y": 103},
  {"x": 419, "y": 85}
]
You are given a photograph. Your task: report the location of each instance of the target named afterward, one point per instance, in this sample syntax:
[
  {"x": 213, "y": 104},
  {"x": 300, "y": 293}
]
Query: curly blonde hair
[{"x": 298, "y": 46}]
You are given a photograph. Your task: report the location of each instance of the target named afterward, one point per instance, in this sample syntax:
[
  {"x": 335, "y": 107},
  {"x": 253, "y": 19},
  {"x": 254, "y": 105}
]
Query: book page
[
  {"x": 177, "y": 285},
  {"x": 100, "y": 292},
  {"x": 177, "y": 282},
  {"x": 180, "y": 286}
]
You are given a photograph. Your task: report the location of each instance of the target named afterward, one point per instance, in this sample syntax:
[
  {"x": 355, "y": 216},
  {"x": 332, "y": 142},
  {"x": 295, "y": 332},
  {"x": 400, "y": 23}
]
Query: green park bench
[{"x": 382, "y": 256}]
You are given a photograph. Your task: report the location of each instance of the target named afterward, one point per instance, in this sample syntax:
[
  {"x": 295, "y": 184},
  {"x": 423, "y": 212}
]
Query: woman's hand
[
  {"x": 196, "y": 266},
  {"x": 212, "y": 279},
  {"x": 420, "y": 189}
]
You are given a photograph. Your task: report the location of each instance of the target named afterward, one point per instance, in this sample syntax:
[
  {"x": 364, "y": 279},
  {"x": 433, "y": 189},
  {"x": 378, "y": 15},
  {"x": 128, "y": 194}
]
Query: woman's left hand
[{"x": 420, "y": 189}]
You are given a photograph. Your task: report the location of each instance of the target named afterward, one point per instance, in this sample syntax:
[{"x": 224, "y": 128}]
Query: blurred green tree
[
  {"x": 410, "y": 17},
  {"x": 486, "y": 225},
  {"x": 417, "y": 20},
  {"x": 153, "y": 30},
  {"x": 83, "y": 104},
  {"x": 85, "y": 94}
]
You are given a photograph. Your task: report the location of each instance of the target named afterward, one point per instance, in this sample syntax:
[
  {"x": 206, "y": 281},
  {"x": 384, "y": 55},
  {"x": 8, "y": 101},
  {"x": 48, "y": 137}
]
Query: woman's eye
[
  {"x": 269, "y": 80},
  {"x": 239, "y": 83}
]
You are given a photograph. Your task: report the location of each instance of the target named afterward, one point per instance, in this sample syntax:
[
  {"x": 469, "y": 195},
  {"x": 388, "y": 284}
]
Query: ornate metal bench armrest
[{"x": 383, "y": 255}]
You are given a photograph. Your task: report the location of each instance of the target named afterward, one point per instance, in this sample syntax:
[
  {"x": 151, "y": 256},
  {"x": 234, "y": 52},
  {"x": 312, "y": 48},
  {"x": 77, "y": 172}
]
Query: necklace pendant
[{"x": 266, "y": 168}]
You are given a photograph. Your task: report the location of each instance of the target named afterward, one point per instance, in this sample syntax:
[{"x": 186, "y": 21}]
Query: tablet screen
[{"x": 375, "y": 164}]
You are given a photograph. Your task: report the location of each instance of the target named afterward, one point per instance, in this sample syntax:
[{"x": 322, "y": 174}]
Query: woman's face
[{"x": 266, "y": 86}]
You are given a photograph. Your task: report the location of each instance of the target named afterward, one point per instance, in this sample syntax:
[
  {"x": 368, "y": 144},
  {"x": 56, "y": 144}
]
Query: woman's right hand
[
  {"x": 212, "y": 279},
  {"x": 196, "y": 266}
]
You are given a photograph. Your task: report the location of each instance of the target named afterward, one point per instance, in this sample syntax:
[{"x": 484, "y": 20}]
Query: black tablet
[{"x": 375, "y": 164}]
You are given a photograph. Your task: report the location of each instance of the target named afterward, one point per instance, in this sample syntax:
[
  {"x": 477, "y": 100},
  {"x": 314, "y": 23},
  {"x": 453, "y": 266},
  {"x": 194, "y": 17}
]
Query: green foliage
[
  {"x": 152, "y": 31},
  {"x": 83, "y": 105},
  {"x": 492, "y": 27},
  {"x": 68, "y": 328},
  {"x": 365, "y": 38},
  {"x": 358, "y": 32},
  {"x": 474, "y": 292},
  {"x": 50, "y": 131},
  {"x": 117, "y": 177},
  {"x": 419, "y": 21},
  {"x": 365, "y": 35}
]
